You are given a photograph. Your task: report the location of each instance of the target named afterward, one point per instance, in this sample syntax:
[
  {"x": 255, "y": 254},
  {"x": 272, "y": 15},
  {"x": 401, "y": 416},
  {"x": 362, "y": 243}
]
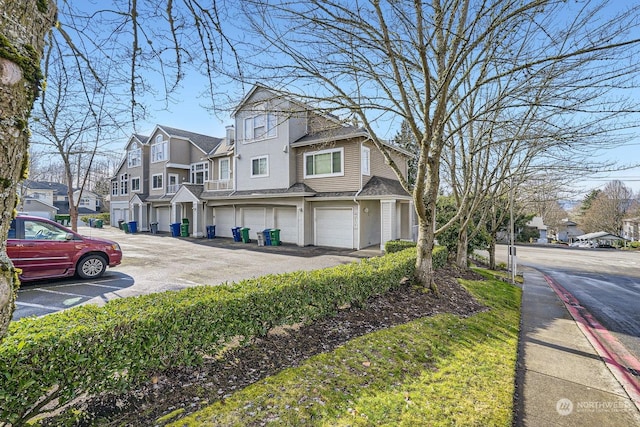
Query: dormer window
[{"x": 159, "y": 149}]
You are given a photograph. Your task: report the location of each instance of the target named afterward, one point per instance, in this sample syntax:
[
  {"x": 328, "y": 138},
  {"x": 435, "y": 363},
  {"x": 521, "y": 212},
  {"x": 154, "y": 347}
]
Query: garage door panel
[
  {"x": 163, "y": 216},
  {"x": 286, "y": 219},
  {"x": 254, "y": 219},
  {"x": 334, "y": 227},
  {"x": 225, "y": 220}
]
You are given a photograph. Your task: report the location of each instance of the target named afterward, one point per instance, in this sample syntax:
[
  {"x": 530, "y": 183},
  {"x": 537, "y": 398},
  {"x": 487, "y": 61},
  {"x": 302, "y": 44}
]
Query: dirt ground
[{"x": 191, "y": 388}]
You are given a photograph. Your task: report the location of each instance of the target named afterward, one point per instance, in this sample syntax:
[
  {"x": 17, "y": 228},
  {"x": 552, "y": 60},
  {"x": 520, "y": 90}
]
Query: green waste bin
[
  {"x": 275, "y": 236},
  {"x": 185, "y": 220},
  {"x": 244, "y": 232},
  {"x": 98, "y": 223},
  {"x": 184, "y": 230},
  {"x": 125, "y": 227}
]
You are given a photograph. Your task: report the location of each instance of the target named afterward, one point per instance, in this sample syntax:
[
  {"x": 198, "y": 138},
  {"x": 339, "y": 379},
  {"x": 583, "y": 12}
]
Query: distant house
[
  {"x": 37, "y": 207},
  {"x": 48, "y": 192},
  {"x": 90, "y": 202},
  {"x": 630, "y": 228},
  {"x": 568, "y": 231},
  {"x": 537, "y": 223}
]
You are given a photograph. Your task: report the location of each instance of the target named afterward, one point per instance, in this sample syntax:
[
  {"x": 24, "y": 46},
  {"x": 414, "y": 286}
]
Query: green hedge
[
  {"x": 90, "y": 349},
  {"x": 398, "y": 245}
]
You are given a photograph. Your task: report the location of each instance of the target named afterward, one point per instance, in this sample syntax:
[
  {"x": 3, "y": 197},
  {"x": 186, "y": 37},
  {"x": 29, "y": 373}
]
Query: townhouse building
[{"x": 280, "y": 165}]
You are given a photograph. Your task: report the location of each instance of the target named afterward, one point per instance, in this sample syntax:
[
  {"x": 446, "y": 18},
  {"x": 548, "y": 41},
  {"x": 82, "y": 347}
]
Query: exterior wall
[
  {"x": 380, "y": 168},
  {"x": 350, "y": 181},
  {"x": 309, "y": 221}
]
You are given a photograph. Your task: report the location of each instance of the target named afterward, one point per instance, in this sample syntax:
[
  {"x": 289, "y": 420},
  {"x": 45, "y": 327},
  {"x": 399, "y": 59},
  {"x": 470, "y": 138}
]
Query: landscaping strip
[{"x": 440, "y": 370}]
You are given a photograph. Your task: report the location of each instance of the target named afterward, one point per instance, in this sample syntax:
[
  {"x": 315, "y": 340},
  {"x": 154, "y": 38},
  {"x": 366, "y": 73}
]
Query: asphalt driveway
[{"x": 159, "y": 262}]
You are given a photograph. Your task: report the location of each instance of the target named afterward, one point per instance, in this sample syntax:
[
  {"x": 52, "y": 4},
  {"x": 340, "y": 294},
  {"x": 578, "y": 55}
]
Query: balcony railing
[
  {"x": 219, "y": 185},
  {"x": 172, "y": 188}
]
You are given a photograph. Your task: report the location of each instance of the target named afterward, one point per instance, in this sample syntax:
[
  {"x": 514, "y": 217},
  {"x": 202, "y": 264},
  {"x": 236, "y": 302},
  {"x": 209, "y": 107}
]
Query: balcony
[
  {"x": 219, "y": 185},
  {"x": 173, "y": 188}
]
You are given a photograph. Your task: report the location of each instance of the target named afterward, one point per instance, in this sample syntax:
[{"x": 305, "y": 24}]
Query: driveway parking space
[{"x": 157, "y": 263}]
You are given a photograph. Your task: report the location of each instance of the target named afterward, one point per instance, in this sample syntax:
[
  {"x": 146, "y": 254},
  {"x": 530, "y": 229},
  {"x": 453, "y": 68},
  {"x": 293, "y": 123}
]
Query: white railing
[
  {"x": 218, "y": 185},
  {"x": 172, "y": 188}
]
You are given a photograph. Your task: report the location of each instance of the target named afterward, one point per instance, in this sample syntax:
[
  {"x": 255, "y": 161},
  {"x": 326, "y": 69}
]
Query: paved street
[
  {"x": 605, "y": 281},
  {"x": 156, "y": 263}
]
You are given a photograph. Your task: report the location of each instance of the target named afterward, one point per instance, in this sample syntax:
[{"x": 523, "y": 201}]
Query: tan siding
[
  {"x": 380, "y": 168},
  {"x": 179, "y": 151},
  {"x": 351, "y": 179}
]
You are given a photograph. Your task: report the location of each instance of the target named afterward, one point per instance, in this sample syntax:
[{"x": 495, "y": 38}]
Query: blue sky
[{"x": 189, "y": 112}]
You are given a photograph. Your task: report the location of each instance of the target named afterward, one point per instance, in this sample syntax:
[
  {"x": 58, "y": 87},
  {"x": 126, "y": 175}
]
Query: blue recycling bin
[
  {"x": 236, "y": 234},
  {"x": 267, "y": 236},
  {"x": 175, "y": 229},
  {"x": 133, "y": 227},
  {"x": 211, "y": 231}
]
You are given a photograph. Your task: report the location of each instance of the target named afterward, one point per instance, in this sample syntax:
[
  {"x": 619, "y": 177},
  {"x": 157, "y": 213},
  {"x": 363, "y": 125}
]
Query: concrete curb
[{"x": 624, "y": 366}]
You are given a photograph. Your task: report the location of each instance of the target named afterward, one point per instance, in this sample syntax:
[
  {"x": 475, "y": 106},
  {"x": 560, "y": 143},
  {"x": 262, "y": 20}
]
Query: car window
[
  {"x": 43, "y": 231},
  {"x": 12, "y": 230}
]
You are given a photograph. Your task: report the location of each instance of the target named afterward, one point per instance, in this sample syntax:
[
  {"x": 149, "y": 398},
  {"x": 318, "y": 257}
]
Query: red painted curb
[{"x": 614, "y": 354}]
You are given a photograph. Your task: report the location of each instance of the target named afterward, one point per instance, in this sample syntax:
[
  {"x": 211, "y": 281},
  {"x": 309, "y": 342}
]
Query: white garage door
[
  {"x": 225, "y": 220},
  {"x": 287, "y": 222},
  {"x": 163, "y": 216},
  {"x": 334, "y": 227},
  {"x": 254, "y": 218}
]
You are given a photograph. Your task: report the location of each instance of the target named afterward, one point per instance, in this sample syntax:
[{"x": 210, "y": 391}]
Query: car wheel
[{"x": 91, "y": 267}]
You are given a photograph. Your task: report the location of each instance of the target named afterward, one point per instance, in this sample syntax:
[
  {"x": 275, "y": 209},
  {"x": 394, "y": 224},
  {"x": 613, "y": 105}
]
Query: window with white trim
[
  {"x": 159, "y": 150},
  {"x": 174, "y": 183},
  {"x": 261, "y": 125},
  {"x": 199, "y": 172},
  {"x": 124, "y": 184},
  {"x": 324, "y": 163},
  {"x": 134, "y": 157},
  {"x": 156, "y": 181},
  {"x": 135, "y": 184},
  {"x": 85, "y": 201},
  {"x": 259, "y": 166},
  {"x": 224, "y": 173},
  {"x": 114, "y": 188},
  {"x": 366, "y": 161}
]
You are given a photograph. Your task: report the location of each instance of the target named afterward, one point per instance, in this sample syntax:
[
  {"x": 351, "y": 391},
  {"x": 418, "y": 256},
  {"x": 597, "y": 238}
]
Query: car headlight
[{"x": 116, "y": 247}]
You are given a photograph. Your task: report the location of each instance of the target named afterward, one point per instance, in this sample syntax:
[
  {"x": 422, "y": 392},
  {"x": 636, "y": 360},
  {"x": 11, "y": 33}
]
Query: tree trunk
[
  {"x": 462, "y": 250},
  {"x": 24, "y": 24},
  {"x": 492, "y": 253},
  {"x": 424, "y": 258}
]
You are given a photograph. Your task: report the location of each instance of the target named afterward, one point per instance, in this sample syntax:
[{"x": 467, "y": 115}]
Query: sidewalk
[{"x": 562, "y": 381}]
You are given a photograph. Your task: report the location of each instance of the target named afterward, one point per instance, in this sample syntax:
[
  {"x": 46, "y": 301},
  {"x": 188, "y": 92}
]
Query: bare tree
[
  {"x": 76, "y": 118},
  {"x": 607, "y": 210},
  {"x": 24, "y": 25},
  {"x": 400, "y": 61}
]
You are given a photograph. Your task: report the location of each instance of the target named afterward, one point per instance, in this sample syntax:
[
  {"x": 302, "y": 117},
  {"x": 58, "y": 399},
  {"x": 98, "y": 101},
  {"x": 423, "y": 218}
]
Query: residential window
[
  {"x": 324, "y": 163},
  {"x": 199, "y": 172},
  {"x": 224, "y": 173},
  {"x": 366, "y": 161},
  {"x": 84, "y": 201},
  {"x": 159, "y": 150},
  {"x": 135, "y": 184},
  {"x": 259, "y": 166},
  {"x": 156, "y": 182},
  {"x": 261, "y": 125},
  {"x": 134, "y": 158},
  {"x": 114, "y": 188},
  {"x": 124, "y": 184}
]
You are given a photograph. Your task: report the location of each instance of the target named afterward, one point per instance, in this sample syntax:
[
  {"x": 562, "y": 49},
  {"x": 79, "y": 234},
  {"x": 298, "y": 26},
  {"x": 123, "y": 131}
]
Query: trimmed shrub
[
  {"x": 90, "y": 349},
  {"x": 398, "y": 245}
]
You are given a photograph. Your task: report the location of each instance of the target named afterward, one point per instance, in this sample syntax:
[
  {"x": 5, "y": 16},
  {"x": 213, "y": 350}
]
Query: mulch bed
[{"x": 196, "y": 387}]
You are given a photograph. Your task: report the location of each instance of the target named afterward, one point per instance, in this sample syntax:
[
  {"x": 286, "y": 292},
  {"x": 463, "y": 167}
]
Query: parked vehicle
[{"x": 43, "y": 249}]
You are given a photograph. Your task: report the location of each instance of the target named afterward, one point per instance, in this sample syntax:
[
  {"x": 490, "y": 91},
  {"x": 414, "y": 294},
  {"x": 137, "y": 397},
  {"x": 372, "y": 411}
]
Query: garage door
[
  {"x": 286, "y": 219},
  {"x": 334, "y": 227},
  {"x": 163, "y": 217},
  {"x": 254, "y": 218},
  {"x": 225, "y": 220}
]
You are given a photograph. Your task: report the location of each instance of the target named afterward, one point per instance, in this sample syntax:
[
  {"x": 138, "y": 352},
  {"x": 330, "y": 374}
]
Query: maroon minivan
[{"x": 43, "y": 249}]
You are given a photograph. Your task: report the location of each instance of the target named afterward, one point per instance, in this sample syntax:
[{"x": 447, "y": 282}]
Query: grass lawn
[{"x": 438, "y": 371}]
